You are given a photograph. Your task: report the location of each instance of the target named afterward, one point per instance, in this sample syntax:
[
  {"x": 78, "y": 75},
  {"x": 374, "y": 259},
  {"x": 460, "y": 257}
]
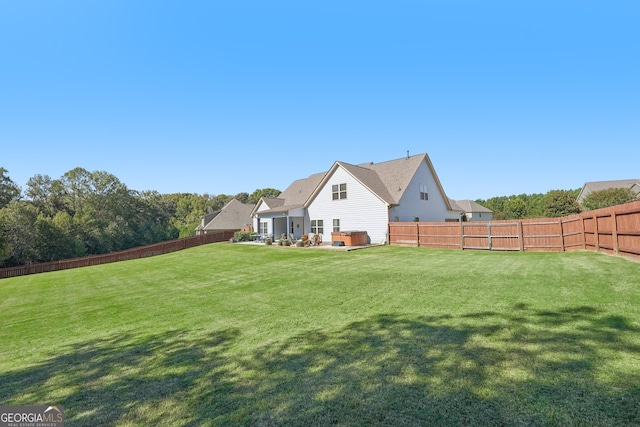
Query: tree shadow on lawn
[{"x": 526, "y": 367}]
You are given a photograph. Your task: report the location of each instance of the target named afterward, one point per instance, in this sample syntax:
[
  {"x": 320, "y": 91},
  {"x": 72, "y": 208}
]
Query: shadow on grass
[{"x": 575, "y": 366}]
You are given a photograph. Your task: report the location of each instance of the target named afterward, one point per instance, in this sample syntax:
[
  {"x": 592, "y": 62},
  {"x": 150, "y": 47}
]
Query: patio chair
[{"x": 317, "y": 239}]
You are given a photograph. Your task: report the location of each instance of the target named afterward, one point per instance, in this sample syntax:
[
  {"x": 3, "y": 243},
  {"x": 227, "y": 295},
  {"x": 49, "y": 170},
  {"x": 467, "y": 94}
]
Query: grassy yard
[{"x": 254, "y": 335}]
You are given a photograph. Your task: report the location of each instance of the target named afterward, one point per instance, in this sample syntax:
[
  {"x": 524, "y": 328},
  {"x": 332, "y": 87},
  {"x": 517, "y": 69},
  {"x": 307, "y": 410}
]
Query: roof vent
[{"x": 407, "y": 154}]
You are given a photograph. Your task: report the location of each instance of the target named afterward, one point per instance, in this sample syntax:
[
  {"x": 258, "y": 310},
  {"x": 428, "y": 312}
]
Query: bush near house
[{"x": 244, "y": 236}]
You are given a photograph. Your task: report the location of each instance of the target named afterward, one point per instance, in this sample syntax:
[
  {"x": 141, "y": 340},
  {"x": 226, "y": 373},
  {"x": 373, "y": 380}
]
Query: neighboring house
[
  {"x": 233, "y": 216},
  {"x": 590, "y": 187},
  {"x": 362, "y": 197},
  {"x": 473, "y": 211}
]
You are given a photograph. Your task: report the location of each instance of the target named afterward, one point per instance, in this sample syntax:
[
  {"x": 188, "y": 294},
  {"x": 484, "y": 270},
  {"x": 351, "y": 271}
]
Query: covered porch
[{"x": 287, "y": 222}]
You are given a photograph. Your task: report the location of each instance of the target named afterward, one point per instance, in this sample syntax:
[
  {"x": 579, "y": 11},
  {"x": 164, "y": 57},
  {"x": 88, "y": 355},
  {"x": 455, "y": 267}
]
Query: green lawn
[{"x": 253, "y": 335}]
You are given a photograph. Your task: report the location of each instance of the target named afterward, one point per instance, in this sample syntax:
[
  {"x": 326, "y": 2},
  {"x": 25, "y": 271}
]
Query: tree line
[
  {"x": 89, "y": 213},
  {"x": 555, "y": 203}
]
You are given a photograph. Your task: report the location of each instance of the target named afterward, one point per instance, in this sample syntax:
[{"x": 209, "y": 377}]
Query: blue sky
[{"x": 506, "y": 97}]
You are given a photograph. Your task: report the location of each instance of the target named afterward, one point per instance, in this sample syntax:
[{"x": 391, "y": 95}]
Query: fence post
[
  {"x": 417, "y": 234},
  {"x": 561, "y": 235},
  {"x": 595, "y": 232},
  {"x": 520, "y": 236},
  {"x": 614, "y": 231}
]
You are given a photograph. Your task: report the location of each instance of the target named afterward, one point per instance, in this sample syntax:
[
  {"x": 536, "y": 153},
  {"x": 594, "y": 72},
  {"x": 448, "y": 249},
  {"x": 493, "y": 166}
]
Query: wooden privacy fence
[
  {"x": 613, "y": 230},
  {"x": 129, "y": 254}
]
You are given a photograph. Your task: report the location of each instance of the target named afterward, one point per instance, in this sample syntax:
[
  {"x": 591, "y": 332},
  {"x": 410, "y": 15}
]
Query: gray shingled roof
[
  {"x": 471, "y": 206},
  {"x": 206, "y": 220},
  {"x": 233, "y": 216},
  {"x": 371, "y": 179},
  {"x": 300, "y": 190},
  {"x": 395, "y": 176},
  {"x": 605, "y": 185},
  {"x": 294, "y": 196},
  {"x": 388, "y": 180}
]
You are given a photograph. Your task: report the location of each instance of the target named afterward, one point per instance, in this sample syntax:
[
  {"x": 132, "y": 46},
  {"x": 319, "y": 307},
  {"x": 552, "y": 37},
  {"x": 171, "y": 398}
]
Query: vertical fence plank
[
  {"x": 614, "y": 231},
  {"x": 520, "y": 237}
]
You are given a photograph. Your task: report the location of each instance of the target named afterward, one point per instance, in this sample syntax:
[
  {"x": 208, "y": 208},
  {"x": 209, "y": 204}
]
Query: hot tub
[{"x": 350, "y": 238}]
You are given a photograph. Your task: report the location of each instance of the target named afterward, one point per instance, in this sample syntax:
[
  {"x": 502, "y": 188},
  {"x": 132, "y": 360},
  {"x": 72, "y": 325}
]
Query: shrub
[
  {"x": 609, "y": 197},
  {"x": 244, "y": 236}
]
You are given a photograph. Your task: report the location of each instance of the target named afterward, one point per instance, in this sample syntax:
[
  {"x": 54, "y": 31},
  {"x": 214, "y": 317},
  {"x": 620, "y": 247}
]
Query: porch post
[{"x": 289, "y": 233}]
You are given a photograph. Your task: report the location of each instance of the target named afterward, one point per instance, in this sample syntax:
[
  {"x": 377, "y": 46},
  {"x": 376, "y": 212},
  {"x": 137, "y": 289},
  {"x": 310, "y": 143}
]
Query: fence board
[{"x": 443, "y": 234}]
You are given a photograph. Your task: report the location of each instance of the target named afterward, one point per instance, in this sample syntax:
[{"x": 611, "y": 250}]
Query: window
[
  {"x": 317, "y": 226},
  {"x": 336, "y": 225},
  {"x": 396, "y": 218},
  {"x": 339, "y": 191},
  {"x": 424, "y": 194},
  {"x": 416, "y": 219},
  {"x": 264, "y": 228}
]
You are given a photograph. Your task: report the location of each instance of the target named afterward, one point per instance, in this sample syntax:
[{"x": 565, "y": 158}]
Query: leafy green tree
[
  {"x": 75, "y": 246},
  {"x": 76, "y": 188},
  {"x": 189, "y": 209},
  {"x": 9, "y": 190},
  {"x": 242, "y": 197},
  {"x": 52, "y": 242},
  {"x": 111, "y": 206},
  {"x": 5, "y": 248},
  {"x": 517, "y": 208},
  {"x": 18, "y": 220},
  {"x": 46, "y": 194},
  {"x": 536, "y": 205},
  {"x": 523, "y": 205},
  {"x": 153, "y": 222},
  {"x": 264, "y": 192},
  {"x": 560, "y": 203},
  {"x": 608, "y": 197},
  {"x": 103, "y": 209}
]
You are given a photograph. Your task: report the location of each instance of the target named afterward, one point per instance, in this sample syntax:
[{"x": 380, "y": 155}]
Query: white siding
[
  {"x": 360, "y": 211},
  {"x": 479, "y": 216},
  {"x": 411, "y": 206},
  {"x": 268, "y": 220}
]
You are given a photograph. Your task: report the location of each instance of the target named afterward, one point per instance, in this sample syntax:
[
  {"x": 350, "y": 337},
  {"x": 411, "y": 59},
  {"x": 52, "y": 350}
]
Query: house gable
[
  {"x": 267, "y": 203},
  {"x": 423, "y": 198},
  {"x": 365, "y": 178},
  {"x": 360, "y": 210}
]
